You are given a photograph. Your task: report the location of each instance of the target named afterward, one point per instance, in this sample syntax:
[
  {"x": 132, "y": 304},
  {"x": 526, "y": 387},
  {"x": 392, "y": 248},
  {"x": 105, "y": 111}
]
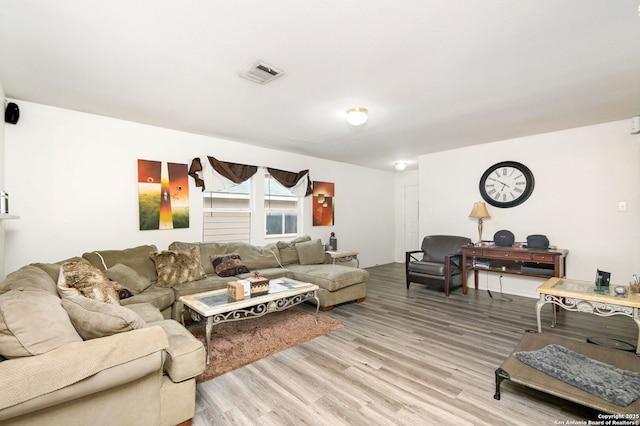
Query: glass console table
[{"x": 581, "y": 296}]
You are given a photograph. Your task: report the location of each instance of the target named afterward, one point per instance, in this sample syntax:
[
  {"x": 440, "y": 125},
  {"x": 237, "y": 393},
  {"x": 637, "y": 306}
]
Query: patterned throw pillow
[
  {"x": 178, "y": 266},
  {"x": 228, "y": 265},
  {"x": 84, "y": 279}
]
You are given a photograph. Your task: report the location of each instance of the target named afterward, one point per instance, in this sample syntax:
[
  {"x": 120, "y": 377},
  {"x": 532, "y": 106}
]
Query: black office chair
[{"x": 440, "y": 263}]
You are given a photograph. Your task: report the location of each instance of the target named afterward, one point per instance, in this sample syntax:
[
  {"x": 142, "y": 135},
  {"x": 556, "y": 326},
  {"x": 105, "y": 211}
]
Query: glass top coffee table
[
  {"x": 574, "y": 295},
  {"x": 217, "y": 307}
]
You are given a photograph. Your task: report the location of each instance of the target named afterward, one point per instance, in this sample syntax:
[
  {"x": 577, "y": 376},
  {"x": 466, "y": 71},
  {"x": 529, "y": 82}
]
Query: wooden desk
[{"x": 542, "y": 263}]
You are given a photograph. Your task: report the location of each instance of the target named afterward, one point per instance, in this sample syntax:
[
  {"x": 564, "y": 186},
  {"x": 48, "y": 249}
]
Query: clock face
[{"x": 506, "y": 184}]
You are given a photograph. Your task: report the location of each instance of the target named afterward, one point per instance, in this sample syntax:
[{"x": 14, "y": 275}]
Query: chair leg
[{"x": 446, "y": 286}]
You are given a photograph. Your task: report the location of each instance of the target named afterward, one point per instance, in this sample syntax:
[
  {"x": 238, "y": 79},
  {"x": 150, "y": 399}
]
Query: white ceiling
[{"x": 434, "y": 74}]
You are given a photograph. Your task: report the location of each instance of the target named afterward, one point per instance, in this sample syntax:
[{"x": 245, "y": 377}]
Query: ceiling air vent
[{"x": 261, "y": 73}]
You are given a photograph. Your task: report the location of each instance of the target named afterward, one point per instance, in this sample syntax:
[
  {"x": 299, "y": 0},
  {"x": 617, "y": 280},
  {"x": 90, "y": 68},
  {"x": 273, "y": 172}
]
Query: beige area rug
[{"x": 236, "y": 344}]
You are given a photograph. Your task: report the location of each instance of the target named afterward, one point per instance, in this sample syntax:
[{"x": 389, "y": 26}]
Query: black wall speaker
[{"x": 12, "y": 113}]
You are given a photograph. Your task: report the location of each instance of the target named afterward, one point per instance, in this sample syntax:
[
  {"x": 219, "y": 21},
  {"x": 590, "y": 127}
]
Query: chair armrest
[
  {"x": 409, "y": 255},
  {"x": 454, "y": 259}
]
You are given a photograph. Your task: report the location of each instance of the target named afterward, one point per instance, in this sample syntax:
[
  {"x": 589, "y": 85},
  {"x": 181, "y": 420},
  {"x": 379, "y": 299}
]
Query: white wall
[
  {"x": 2, "y": 157},
  {"x": 73, "y": 181},
  {"x": 580, "y": 176}
]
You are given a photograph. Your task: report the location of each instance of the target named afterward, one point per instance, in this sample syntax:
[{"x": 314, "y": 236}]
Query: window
[
  {"x": 282, "y": 209},
  {"x": 239, "y": 214},
  {"x": 227, "y": 214}
]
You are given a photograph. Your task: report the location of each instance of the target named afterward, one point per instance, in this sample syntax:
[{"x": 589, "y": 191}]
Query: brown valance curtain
[
  {"x": 291, "y": 179},
  {"x": 238, "y": 173},
  {"x": 234, "y": 172}
]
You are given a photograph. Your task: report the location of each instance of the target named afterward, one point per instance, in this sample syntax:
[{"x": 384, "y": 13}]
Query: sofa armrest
[
  {"x": 23, "y": 379},
  {"x": 185, "y": 357}
]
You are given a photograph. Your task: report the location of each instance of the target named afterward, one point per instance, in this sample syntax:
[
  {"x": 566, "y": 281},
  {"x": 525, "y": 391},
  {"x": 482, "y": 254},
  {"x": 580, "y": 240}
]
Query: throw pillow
[
  {"x": 93, "y": 319},
  {"x": 80, "y": 278},
  {"x": 206, "y": 251},
  {"x": 177, "y": 267},
  {"x": 33, "y": 323},
  {"x": 288, "y": 252},
  {"x": 128, "y": 277},
  {"x": 311, "y": 252},
  {"x": 228, "y": 265}
]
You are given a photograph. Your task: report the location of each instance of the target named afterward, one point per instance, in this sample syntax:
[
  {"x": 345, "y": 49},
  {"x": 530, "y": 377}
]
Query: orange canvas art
[
  {"x": 323, "y": 203},
  {"x": 163, "y": 195}
]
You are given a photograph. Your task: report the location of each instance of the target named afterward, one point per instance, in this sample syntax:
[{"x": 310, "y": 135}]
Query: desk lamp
[{"x": 479, "y": 212}]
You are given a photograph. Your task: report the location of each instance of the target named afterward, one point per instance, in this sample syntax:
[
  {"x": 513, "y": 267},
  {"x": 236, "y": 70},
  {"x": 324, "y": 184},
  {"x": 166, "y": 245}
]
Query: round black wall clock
[{"x": 506, "y": 184}]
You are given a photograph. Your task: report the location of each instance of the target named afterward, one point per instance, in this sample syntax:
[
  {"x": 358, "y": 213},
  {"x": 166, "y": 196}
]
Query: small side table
[{"x": 344, "y": 256}]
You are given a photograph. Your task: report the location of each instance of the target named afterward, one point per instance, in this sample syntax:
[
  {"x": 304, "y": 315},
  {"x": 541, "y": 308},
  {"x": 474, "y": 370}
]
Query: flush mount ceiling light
[
  {"x": 357, "y": 116},
  {"x": 400, "y": 165}
]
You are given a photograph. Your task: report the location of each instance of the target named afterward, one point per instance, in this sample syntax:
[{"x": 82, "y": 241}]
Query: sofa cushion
[
  {"x": 146, "y": 311},
  {"x": 128, "y": 277},
  {"x": 56, "y": 372},
  {"x": 160, "y": 297},
  {"x": 178, "y": 266},
  {"x": 83, "y": 279},
  {"x": 29, "y": 278},
  {"x": 330, "y": 277},
  {"x": 427, "y": 268},
  {"x": 206, "y": 251},
  {"x": 186, "y": 356},
  {"x": 310, "y": 252},
  {"x": 53, "y": 269},
  {"x": 93, "y": 319},
  {"x": 255, "y": 257},
  {"x": 211, "y": 282},
  {"x": 270, "y": 273},
  {"x": 228, "y": 265},
  {"x": 135, "y": 257},
  {"x": 288, "y": 252},
  {"x": 32, "y": 323}
]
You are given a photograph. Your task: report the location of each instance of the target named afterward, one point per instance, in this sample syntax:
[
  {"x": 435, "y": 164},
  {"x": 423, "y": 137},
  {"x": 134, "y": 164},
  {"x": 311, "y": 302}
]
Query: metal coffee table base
[{"x": 255, "y": 311}]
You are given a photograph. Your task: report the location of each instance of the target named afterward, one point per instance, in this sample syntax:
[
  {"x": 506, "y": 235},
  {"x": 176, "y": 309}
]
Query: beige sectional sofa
[
  {"x": 74, "y": 360},
  {"x": 66, "y": 360},
  {"x": 302, "y": 259}
]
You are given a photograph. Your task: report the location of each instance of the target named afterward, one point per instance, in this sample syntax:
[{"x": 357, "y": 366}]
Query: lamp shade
[{"x": 479, "y": 211}]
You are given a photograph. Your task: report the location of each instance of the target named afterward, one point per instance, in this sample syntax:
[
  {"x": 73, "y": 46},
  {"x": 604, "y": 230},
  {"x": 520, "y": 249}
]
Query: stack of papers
[{"x": 276, "y": 287}]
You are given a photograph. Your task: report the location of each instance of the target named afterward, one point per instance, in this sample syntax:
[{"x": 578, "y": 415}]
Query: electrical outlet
[{"x": 622, "y": 206}]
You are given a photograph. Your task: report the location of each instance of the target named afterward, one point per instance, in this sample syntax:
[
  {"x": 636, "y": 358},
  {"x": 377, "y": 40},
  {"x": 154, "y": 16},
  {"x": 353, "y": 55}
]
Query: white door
[{"x": 411, "y": 216}]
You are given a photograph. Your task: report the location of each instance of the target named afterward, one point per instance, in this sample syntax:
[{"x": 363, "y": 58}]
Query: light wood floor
[{"x": 406, "y": 357}]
